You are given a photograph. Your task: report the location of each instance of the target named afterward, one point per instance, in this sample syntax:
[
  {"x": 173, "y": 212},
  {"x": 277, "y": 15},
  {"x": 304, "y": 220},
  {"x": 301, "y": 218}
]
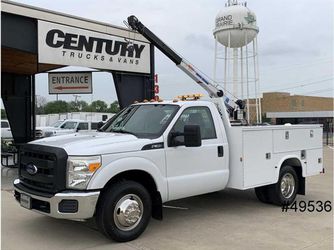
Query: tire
[
  {"x": 284, "y": 192},
  {"x": 262, "y": 194},
  {"x": 123, "y": 211}
]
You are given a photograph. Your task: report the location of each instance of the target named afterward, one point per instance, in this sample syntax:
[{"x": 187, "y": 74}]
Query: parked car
[
  {"x": 6, "y": 132},
  {"x": 63, "y": 127}
]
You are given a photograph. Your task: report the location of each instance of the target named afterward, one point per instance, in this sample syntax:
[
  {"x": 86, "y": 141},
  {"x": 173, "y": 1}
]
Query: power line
[
  {"x": 302, "y": 81},
  {"x": 300, "y": 65},
  {"x": 297, "y": 86},
  {"x": 318, "y": 91},
  {"x": 306, "y": 84}
]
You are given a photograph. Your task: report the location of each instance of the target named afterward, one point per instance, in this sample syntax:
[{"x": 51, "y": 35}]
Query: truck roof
[
  {"x": 76, "y": 120},
  {"x": 178, "y": 102}
]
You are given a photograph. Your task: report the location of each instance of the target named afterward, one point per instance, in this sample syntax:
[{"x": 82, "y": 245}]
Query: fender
[
  {"x": 105, "y": 173},
  {"x": 287, "y": 157}
]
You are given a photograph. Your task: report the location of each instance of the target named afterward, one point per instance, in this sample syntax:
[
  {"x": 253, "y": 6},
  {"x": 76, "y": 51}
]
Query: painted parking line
[{"x": 174, "y": 207}]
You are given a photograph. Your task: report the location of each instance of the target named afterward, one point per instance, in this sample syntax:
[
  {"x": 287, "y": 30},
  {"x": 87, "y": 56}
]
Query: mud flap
[
  {"x": 301, "y": 189},
  {"x": 157, "y": 206}
]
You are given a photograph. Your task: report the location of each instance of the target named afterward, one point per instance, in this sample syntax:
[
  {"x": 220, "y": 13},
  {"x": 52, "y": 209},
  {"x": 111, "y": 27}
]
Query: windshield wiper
[{"x": 122, "y": 131}]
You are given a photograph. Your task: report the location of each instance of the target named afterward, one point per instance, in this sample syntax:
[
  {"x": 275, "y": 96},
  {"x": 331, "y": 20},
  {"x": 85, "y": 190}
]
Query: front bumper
[{"x": 63, "y": 205}]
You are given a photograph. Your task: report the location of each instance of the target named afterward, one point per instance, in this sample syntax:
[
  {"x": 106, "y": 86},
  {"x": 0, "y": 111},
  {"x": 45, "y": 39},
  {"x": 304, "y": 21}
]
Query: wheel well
[
  {"x": 148, "y": 182},
  {"x": 297, "y": 166}
]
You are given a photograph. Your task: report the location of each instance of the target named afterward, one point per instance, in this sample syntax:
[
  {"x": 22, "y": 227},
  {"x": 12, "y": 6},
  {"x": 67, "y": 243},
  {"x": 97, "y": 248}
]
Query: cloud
[
  {"x": 285, "y": 48},
  {"x": 291, "y": 32},
  {"x": 200, "y": 40}
]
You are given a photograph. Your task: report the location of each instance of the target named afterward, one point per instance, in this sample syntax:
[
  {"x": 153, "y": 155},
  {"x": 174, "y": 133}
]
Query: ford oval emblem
[{"x": 31, "y": 169}]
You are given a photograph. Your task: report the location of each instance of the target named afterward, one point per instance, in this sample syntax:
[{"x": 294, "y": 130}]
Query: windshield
[
  {"x": 57, "y": 124},
  {"x": 4, "y": 125},
  {"x": 69, "y": 125},
  {"x": 143, "y": 121}
]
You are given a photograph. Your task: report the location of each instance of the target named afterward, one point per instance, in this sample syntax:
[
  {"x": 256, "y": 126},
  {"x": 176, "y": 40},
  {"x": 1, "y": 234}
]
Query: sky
[{"x": 295, "y": 42}]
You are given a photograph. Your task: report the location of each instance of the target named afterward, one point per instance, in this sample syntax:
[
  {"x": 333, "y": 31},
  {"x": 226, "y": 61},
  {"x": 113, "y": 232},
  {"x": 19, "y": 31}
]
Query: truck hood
[
  {"x": 45, "y": 128},
  {"x": 91, "y": 143}
]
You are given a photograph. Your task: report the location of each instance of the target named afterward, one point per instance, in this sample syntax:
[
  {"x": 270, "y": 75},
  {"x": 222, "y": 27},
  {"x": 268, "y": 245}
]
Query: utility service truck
[{"x": 157, "y": 151}]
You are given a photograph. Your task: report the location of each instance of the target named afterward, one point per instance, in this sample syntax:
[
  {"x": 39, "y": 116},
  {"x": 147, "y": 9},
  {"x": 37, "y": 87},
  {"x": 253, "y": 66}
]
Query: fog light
[{"x": 68, "y": 206}]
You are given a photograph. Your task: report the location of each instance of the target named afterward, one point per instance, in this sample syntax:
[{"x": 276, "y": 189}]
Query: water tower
[{"x": 236, "y": 52}]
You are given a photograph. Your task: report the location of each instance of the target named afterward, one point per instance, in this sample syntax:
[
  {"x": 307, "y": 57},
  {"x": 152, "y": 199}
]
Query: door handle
[{"x": 220, "y": 151}]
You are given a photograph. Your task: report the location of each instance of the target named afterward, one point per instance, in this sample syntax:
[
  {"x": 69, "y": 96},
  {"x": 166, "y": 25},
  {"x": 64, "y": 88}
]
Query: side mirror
[
  {"x": 100, "y": 125},
  {"x": 192, "y": 136},
  {"x": 78, "y": 129}
]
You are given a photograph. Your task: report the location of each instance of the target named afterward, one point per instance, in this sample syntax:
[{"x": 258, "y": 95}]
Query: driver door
[{"x": 196, "y": 170}]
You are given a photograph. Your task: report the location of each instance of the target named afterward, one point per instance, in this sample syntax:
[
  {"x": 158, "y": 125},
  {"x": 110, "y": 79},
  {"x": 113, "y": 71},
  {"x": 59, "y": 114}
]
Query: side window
[
  {"x": 69, "y": 125},
  {"x": 197, "y": 116},
  {"x": 4, "y": 125},
  {"x": 94, "y": 125},
  {"x": 83, "y": 126}
]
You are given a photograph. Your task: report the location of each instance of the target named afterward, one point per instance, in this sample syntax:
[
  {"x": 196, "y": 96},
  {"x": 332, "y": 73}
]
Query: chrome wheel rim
[
  {"x": 128, "y": 212},
  {"x": 287, "y": 185}
]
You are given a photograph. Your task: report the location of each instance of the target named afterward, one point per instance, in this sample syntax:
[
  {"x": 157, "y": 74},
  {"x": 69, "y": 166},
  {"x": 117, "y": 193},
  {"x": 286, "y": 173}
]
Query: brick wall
[{"x": 284, "y": 102}]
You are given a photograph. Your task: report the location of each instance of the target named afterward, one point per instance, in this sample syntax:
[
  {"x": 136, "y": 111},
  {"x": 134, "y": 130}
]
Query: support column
[{"x": 17, "y": 93}]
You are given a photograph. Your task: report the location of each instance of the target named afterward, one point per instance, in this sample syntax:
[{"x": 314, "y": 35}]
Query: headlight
[
  {"x": 49, "y": 133},
  {"x": 80, "y": 169}
]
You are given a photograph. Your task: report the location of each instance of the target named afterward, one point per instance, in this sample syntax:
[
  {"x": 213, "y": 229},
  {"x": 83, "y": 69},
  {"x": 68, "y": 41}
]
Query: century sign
[
  {"x": 70, "y": 83},
  {"x": 64, "y": 45}
]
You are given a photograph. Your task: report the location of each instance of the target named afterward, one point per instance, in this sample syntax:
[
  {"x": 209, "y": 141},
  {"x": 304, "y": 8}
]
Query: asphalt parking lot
[{"x": 229, "y": 219}]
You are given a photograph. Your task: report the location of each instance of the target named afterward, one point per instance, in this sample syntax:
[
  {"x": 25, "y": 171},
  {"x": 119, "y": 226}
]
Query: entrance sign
[
  {"x": 64, "y": 45},
  {"x": 70, "y": 83}
]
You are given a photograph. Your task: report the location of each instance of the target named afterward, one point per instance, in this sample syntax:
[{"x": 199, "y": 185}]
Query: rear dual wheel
[{"x": 283, "y": 192}]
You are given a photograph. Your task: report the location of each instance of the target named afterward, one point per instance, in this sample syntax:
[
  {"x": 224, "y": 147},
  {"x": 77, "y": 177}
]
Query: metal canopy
[
  {"x": 19, "y": 42},
  {"x": 21, "y": 60}
]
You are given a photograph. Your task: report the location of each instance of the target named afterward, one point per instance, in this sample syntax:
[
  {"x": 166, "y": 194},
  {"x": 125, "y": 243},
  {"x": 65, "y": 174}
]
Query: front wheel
[
  {"x": 284, "y": 192},
  {"x": 124, "y": 211}
]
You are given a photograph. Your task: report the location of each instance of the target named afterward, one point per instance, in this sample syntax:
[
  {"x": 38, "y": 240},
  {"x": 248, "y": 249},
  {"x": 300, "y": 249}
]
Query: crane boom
[{"x": 213, "y": 90}]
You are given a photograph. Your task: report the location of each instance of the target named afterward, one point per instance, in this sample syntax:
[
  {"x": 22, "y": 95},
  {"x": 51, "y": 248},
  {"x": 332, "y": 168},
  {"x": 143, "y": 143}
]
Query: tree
[
  {"x": 77, "y": 106},
  {"x": 3, "y": 114},
  {"x": 98, "y": 106},
  {"x": 41, "y": 101},
  {"x": 114, "y": 107},
  {"x": 56, "y": 107}
]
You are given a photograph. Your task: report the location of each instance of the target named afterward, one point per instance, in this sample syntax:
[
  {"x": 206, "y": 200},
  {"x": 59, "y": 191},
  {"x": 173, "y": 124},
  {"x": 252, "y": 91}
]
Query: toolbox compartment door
[
  {"x": 257, "y": 158},
  {"x": 296, "y": 139}
]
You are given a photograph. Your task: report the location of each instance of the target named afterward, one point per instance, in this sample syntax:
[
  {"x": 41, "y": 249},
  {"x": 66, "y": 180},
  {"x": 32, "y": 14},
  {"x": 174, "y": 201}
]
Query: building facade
[{"x": 281, "y": 108}]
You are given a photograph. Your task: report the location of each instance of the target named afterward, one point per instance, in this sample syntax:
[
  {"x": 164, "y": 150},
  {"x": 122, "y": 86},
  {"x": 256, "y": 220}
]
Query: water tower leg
[
  {"x": 247, "y": 80},
  {"x": 228, "y": 77},
  {"x": 235, "y": 72},
  {"x": 258, "y": 80},
  {"x": 225, "y": 68},
  {"x": 255, "y": 84},
  {"x": 215, "y": 63},
  {"x": 242, "y": 73}
]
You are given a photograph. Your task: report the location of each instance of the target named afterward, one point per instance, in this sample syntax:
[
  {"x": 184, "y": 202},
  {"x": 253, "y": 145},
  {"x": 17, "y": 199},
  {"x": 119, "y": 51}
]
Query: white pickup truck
[
  {"x": 155, "y": 152},
  {"x": 6, "y": 132},
  {"x": 63, "y": 127}
]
